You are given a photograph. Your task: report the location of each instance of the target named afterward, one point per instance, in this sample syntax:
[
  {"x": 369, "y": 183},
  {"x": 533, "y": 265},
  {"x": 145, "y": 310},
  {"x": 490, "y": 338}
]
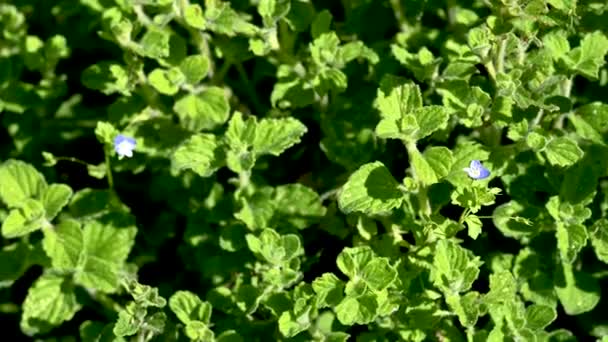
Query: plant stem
[
  {"x": 73, "y": 160},
  {"x": 464, "y": 215},
  {"x": 244, "y": 179},
  {"x": 500, "y": 57},
  {"x": 423, "y": 200},
  {"x": 109, "y": 169}
]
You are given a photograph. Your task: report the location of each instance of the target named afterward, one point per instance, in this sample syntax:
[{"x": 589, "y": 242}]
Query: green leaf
[
  {"x": 194, "y": 68},
  {"x": 321, "y": 24},
  {"x": 361, "y": 310},
  {"x": 556, "y": 42},
  {"x": 20, "y": 181},
  {"x": 423, "y": 64},
  {"x": 470, "y": 103},
  {"x": 589, "y": 57},
  {"x": 257, "y": 210},
  {"x": 396, "y": 99},
  {"x": 64, "y": 245},
  {"x": 596, "y": 114},
  {"x": 105, "y": 247},
  {"x": 329, "y": 290},
  {"x": 55, "y": 198},
  {"x": 578, "y": 292},
  {"x": 229, "y": 336},
  {"x": 275, "y": 248},
  {"x": 599, "y": 239},
  {"x": 130, "y": 320},
  {"x": 273, "y": 136},
  {"x": 154, "y": 43},
  {"x": 430, "y": 119},
  {"x": 188, "y": 307},
  {"x": 249, "y": 139},
  {"x": 107, "y": 77},
  {"x": 440, "y": 159},
  {"x": 200, "y": 153},
  {"x": 241, "y": 133},
  {"x": 290, "y": 325},
  {"x": 98, "y": 332},
  {"x": 193, "y": 15},
  {"x": 49, "y": 159},
  {"x": 378, "y": 274},
  {"x": 297, "y": 205},
  {"x": 474, "y": 224},
  {"x": 571, "y": 238},
  {"x": 536, "y": 141},
  {"x": 199, "y": 331},
  {"x": 422, "y": 169},
  {"x": 454, "y": 267},
  {"x": 503, "y": 219},
  {"x": 25, "y": 220},
  {"x": 300, "y": 16},
  {"x": 49, "y": 302},
  {"x": 480, "y": 40},
  {"x": 144, "y": 295},
  {"x": 403, "y": 116},
  {"x": 371, "y": 190},
  {"x": 166, "y": 81},
  {"x": 351, "y": 261},
  {"x": 203, "y": 111},
  {"x": 563, "y": 151},
  {"x": 105, "y": 132},
  {"x": 273, "y": 10},
  {"x": 222, "y": 19},
  {"x": 538, "y": 317},
  {"x": 15, "y": 259},
  {"x": 585, "y": 130}
]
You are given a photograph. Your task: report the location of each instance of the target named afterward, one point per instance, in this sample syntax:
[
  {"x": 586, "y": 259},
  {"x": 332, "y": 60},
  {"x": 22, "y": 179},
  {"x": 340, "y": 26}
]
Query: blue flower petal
[
  {"x": 476, "y": 170},
  {"x": 124, "y": 146},
  {"x": 483, "y": 173}
]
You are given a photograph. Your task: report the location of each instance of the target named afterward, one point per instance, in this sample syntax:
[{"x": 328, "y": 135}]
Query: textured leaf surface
[
  {"x": 49, "y": 302},
  {"x": 370, "y": 190}
]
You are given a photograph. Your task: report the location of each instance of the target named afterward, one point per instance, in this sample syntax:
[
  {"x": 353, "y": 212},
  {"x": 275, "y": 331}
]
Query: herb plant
[{"x": 304, "y": 170}]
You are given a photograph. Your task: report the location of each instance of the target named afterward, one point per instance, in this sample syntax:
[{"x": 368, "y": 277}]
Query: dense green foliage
[{"x": 298, "y": 171}]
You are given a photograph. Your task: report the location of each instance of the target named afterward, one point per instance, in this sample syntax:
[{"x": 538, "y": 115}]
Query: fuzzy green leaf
[
  {"x": 20, "y": 181},
  {"x": 55, "y": 198},
  {"x": 188, "y": 307},
  {"x": 370, "y": 190},
  {"x": 200, "y": 153},
  {"x": 49, "y": 302},
  {"x": 105, "y": 247},
  {"x": 203, "y": 111},
  {"x": 563, "y": 152}
]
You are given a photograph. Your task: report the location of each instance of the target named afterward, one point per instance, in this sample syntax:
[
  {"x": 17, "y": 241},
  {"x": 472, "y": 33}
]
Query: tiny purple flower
[
  {"x": 124, "y": 146},
  {"x": 476, "y": 170}
]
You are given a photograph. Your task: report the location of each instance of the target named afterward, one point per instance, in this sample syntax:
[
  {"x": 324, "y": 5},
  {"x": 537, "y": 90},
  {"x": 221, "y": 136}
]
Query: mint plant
[{"x": 303, "y": 170}]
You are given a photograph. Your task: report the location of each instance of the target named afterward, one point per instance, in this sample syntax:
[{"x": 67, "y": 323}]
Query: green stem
[
  {"x": 244, "y": 179},
  {"x": 109, "y": 169},
  {"x": 500, "y": 58},
  {"x": 219, "y": 77},
  {"x": 464, "y": 215},
  {"x": 567, "y": 87},
  {"x": 423, "y": 199},
  {"x": 398, "y": 11},
  {"x": 491, "y": 71},
  {"x": 73, "y": 160}
]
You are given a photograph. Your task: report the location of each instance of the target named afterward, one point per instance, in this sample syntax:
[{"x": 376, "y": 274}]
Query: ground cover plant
[{"x": 293, "y": 170}]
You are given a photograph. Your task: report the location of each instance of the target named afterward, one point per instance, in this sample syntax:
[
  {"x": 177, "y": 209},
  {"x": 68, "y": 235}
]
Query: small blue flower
[
  {"x": 476, "y": 170},
  {"x": 124, "y": 146}
]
